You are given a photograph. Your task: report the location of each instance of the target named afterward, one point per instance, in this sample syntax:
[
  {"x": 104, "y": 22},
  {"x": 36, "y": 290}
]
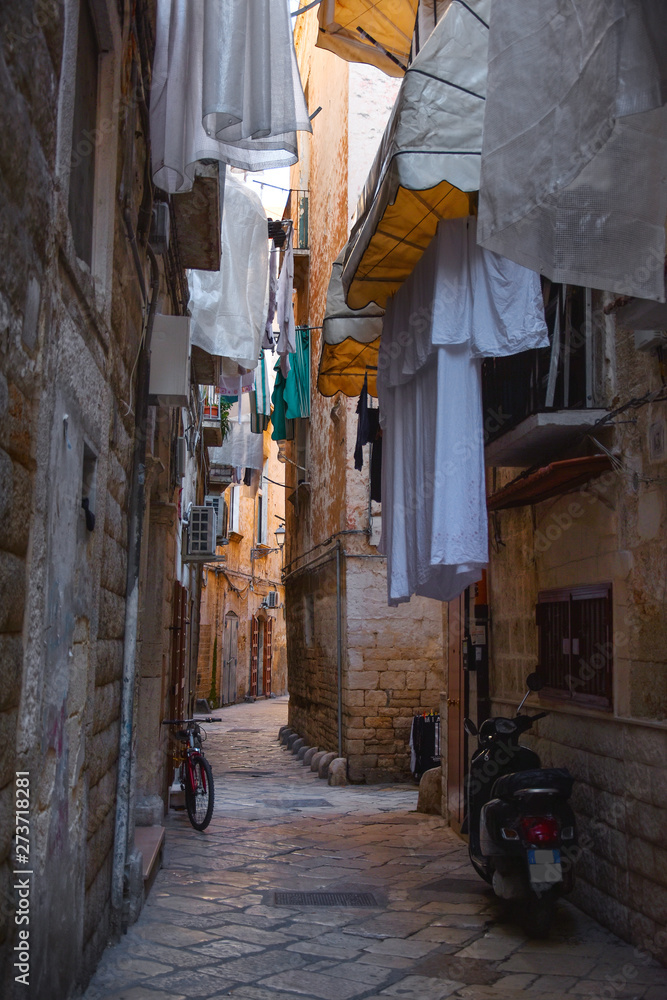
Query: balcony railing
[{"x": 560, "y": 386}]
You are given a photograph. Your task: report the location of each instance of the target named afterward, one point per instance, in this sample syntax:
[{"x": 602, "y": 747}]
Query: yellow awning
[
  {"x": 426, "y": 169},
  {"x": 405, "y": 230},
  {"x": 343, "y": 367},
  {"x": 378, "y": 32}
]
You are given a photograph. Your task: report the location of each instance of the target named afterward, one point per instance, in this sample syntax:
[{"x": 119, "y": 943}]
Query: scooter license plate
[{"x": 545, "y": 867}]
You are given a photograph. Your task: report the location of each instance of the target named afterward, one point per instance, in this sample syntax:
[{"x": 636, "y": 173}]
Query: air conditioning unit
[
  {"x": 170, "y": 361},
  {"x": 201, "y": 531},
  {"x": 272, "y": 599}
]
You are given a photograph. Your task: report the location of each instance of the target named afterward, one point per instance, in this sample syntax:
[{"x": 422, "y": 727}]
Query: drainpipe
[
  {"x": 136, "y": 507},
  {"x": 339, "y": 651}
]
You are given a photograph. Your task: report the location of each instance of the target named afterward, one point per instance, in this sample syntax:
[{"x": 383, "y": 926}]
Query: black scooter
[{"x": 521, "y": 830}]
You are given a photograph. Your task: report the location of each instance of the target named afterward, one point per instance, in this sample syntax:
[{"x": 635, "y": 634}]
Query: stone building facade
[
  {"x": 576, "y": 590},
  {"x": 84, "y": 462},
  {"x": 610, "y": 728},
  {"x": 345, "y": 645},
  {"x": 243, "y": 599}
]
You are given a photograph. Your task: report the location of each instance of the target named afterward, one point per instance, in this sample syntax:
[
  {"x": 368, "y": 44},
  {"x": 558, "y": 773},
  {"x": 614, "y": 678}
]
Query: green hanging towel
[
  {"x": 260, "y": 403},
  {"x": 297, "y": 387},
  {"x": 283, "y": 429}
]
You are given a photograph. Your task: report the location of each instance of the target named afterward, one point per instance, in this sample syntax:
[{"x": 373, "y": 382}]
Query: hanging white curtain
[
  {"x": 460, "y": 304},
  {"x": 228, "y": 307},
  {"x": 225, "y": 86},
  {"x": 573, "y": 180}
]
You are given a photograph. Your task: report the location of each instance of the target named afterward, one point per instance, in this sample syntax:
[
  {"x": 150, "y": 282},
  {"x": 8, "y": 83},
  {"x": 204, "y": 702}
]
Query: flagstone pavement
[{"x": 210, "y": 927}]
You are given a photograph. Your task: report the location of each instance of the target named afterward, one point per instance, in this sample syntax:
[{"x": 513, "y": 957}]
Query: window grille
[{"x": 575, "y": 644}]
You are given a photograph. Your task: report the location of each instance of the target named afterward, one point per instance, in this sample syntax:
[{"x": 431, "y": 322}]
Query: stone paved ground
[{"x": 210, "y": 927}]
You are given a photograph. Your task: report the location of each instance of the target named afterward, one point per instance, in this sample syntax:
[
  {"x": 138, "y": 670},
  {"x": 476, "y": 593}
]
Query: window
[
  {"x": 82, "y": 177},
  {"x": 233, "y": 522},
  {"x": 575, "y": 644},
  {"x": 262, "y": 508}
]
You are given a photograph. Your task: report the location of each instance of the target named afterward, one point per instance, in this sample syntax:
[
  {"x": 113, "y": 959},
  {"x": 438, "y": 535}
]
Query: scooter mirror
[
  {"x": 534, "y": 681},
  {"x": 470, "y": 727}
]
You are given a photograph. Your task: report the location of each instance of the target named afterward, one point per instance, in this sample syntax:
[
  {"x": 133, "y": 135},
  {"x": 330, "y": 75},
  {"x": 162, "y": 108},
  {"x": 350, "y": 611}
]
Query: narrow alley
[{"x": 212, "y": 926}]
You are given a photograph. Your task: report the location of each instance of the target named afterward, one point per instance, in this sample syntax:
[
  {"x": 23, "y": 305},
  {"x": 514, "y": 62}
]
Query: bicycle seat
[{"x": 548, "y": 780}]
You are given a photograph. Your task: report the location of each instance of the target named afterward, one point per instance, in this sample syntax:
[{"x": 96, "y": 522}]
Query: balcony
[
  {"x": 540, "y": 403},
  {"x": 296, "y": 209},
  {"x": 197, "y": 217},
  {"x": 211, "y": 426},
  {"x": 219, "y": 476}
]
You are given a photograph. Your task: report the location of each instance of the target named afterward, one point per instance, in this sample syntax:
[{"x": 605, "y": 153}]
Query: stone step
[{"x": 149, "y": 840}]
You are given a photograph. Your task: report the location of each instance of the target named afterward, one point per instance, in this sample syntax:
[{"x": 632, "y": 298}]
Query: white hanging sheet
[
  {"x": 461, "y": 303},
  {"x": 241, "y": 448},
  {"x": 225, "y": 86},
  {"x": 228, "y": 307},
  {"x": 575, "y": 142}
]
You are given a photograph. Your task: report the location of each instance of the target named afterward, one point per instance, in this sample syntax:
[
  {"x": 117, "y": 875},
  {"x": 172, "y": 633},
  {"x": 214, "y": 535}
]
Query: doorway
[
  {"x": 230, "y": 641},
  {"x": 467, "y": 688}
]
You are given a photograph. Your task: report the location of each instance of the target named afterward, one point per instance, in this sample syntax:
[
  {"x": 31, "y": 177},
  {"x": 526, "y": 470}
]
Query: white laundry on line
[
  {"x": 460, "y": 304},
  {"x": 228, "y": 306}
]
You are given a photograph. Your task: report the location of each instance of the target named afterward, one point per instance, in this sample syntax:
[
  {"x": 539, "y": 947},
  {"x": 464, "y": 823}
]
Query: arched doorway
[{"x": 229, "y": 658}]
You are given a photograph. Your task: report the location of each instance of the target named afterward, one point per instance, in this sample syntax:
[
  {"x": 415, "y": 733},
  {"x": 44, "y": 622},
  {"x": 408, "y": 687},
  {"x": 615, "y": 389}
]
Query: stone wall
[
  {"x": 69, "y": 337},
  {"x": 614, "y": 529},
  {"x": 394, "y": 671},
  {"x": 311, "y": 606}
]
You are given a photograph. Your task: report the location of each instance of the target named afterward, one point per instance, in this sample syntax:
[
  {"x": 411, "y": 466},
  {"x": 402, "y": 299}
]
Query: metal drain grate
[{"x": 324, "y": 899}]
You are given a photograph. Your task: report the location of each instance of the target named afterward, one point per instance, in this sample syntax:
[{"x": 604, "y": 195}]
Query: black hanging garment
[{"x": 368, "y": 426}]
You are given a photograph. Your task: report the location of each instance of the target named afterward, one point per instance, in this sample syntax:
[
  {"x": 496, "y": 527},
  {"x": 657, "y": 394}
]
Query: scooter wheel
[{"x": 538, "y": 914}]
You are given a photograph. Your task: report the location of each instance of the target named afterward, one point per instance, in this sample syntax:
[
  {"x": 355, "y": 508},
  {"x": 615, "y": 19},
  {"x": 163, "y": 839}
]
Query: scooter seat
[{"x": 545, "y": 780}]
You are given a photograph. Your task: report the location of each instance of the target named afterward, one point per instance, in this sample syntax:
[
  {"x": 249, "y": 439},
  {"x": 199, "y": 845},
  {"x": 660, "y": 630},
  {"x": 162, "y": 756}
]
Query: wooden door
[
  {"x": 260, "y": 653},
  {"x": 230, "y": 658},
  {"x": 254, "y": 651},
  {"x": 268, "y": 655},
  {"x": 455, "y": 713}
]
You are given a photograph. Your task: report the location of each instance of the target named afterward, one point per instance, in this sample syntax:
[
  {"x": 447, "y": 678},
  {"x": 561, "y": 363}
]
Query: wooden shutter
[
  {"x": 575, "y": 644},
  {"x": 268, "y": 654},
  {"x": 254, "y": 652}
]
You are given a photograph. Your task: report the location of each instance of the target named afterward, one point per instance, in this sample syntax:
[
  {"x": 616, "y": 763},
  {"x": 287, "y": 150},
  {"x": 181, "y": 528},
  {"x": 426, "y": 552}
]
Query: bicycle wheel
[{"x": 199, "y": 791}]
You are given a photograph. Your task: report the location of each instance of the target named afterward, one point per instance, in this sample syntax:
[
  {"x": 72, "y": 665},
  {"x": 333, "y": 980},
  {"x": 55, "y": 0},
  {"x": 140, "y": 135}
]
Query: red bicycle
[{"x": 195, "y": 771}]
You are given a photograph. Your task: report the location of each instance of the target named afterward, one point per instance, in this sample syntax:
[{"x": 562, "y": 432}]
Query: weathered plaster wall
[
  {"x": 371, "y": 98},
  {"x": 390, "y": 657},
  {"x": 612, "y": 530}
]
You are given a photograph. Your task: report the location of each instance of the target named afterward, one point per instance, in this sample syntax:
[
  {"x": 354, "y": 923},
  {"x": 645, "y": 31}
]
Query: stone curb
[
  {"x": 315, "y": 760},
  {"x": 337, "y": 772},
  {"x": 323, "y": 766}
]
